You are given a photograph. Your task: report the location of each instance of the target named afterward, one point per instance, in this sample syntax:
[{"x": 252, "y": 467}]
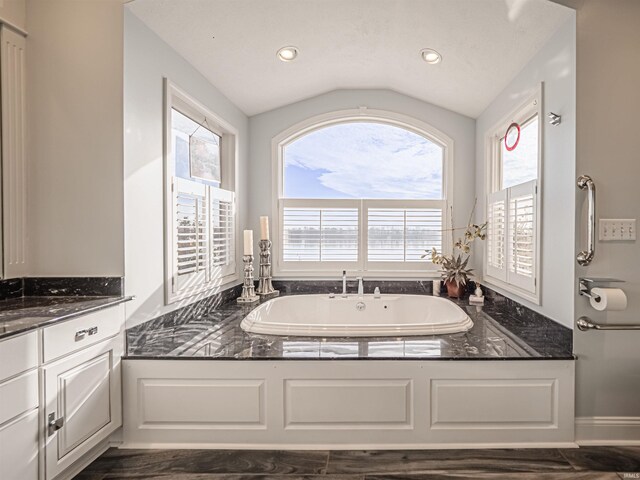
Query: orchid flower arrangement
[{"x": 454, "y": 266}]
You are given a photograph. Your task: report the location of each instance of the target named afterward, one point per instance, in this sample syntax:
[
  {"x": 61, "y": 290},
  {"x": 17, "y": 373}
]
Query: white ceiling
[{"x": 355, "y": 44}]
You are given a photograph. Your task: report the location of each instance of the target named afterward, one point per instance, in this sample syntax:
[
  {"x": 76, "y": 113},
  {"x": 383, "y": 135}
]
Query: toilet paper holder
[{"x": 586, "y": 284}]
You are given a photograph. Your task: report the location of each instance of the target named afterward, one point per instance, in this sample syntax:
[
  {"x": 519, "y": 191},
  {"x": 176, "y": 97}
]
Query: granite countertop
[
  {"x": 18, "y": 315},
  {"x": 496, "y": 335}
]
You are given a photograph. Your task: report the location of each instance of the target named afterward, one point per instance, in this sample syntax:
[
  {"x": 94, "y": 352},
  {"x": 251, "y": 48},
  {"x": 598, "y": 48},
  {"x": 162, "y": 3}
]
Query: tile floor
[{"x": 587, "y": 463}]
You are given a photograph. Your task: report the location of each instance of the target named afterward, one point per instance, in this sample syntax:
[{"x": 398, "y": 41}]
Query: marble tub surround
[
  {"x": 539, "y": 331},
  {"x": 22, "y": 314},
  {"x": 418, "y": 287},
  {"x": 216, "y": 334}
]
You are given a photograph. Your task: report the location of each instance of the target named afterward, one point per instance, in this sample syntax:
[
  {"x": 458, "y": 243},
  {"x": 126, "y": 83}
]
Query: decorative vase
[{"x": 454, "y": 290}]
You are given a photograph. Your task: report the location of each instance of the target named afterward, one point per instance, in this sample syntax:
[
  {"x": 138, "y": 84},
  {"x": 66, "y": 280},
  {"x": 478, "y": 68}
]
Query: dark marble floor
[{"x": 587, "y": 463}]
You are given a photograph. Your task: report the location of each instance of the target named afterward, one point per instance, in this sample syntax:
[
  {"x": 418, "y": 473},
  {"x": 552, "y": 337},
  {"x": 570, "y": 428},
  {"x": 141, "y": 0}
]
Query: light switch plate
[{"x": 616, "y": 229}]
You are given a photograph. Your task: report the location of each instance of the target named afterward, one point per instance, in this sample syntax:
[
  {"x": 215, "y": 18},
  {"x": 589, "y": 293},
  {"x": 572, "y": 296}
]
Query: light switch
[{"x": 612, "y": 229}]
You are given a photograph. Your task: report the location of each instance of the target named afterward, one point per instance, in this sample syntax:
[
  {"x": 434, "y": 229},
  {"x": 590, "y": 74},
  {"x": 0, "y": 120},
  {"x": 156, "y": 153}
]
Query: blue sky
[
  {"x": 521, "y": 165},
  {"x": 363, "y": 160}
]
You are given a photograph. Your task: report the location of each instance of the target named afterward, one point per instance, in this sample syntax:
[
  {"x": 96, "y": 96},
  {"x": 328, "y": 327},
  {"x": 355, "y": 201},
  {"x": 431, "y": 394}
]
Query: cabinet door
[
  {"x": 82, "y": 393},
  {"x": 19, "y": 448}
]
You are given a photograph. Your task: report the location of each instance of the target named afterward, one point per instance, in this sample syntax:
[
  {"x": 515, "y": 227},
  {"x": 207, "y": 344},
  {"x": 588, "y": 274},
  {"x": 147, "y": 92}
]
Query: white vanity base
[{"x": 368, "y": 404}]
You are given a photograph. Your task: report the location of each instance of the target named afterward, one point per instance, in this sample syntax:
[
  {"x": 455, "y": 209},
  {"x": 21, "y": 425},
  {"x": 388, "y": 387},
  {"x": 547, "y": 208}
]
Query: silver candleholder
[
  {"x": 265, "y": 288},
  {"x": 248, "y": 288}
]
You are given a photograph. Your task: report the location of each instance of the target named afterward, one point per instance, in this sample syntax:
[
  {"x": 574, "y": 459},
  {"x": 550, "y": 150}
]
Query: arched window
[{"x": 366, "y": 193}]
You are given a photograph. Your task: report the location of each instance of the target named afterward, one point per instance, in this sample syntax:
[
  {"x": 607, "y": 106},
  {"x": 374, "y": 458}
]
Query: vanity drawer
[
  {"x": 67, "y": 337},
  {"x": 18, "y": 354},
  {"x": 18, "y": 395}
]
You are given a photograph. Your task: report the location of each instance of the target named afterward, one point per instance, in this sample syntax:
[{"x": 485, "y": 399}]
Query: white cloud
[{"x": 371, "y": 160}]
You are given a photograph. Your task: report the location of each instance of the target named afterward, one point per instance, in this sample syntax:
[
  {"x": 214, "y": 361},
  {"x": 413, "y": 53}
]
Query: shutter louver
[
  {"x": 320, "y": 234},
  {"x": 402, "y": 234},
  {"x": 191, "y": 233},
  {"x": 222, "y": 232},
  {"x": 496, "y": 232},
  {"x": 522, "y": 236}
]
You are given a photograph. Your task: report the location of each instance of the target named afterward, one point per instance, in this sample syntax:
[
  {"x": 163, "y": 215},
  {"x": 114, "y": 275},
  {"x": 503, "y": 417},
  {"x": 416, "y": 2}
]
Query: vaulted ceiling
[{"x": 355, "y": 44}]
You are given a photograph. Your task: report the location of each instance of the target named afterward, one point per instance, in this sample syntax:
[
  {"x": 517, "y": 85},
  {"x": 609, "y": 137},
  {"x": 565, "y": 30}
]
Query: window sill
[
  {"x": 202, "y": 291},
  {"x": 507, "y": 287}
]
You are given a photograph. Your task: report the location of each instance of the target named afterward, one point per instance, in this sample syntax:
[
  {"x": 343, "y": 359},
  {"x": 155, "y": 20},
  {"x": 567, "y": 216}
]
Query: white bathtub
[{"x": 389, "y": 315}]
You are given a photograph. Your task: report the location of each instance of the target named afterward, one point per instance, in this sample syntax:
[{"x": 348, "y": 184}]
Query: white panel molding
[
  {"x": 14, "y": 158},
  {"x": 607, "y": 430},
  {"x": 201, "y": 403},
  {"x": 346, "y": 404},
  {"x": 497, "y": 403}
]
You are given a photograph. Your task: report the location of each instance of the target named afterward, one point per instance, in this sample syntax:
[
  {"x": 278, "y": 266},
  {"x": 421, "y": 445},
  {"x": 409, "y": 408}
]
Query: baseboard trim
[
  {"x": 345, "y": 446},
  {"x": 607, "y": 430}
]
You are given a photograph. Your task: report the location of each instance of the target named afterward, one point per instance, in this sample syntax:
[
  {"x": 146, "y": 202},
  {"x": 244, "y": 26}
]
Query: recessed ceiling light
[
  {"x": 287, "y": 54},
  {"x": 430, "y": 56}
]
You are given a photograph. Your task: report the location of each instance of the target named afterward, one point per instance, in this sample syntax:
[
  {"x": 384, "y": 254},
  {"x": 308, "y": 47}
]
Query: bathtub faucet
[
  {"x": 344, "y": 283},
  {"x": 360, "y": 287}
]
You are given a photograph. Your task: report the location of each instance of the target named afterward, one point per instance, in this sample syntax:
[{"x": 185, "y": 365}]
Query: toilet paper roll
[{"x": 608, "y": 299}]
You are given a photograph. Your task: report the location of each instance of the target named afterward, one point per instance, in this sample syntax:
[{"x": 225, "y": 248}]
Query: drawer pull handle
[
  {"x": 54, "y": 424},
  {"x": 80, "y": 334}
]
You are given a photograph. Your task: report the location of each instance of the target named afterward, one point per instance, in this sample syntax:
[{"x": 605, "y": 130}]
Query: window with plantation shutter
[
  {"x": 521, "y": 236},
  {"x": 328, "y": 233},
  {"x": 190, "y": 233},
  {"x": 200, "y": 211},
  {"x": 397, "y": 234},
  {"x": 363, "y": 191},
  {"x": 512, "y": 243},
  {"x": 496, "y": 235}
]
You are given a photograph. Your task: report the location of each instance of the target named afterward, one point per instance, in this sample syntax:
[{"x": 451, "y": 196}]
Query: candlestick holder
[
  {"x": 265, "y": 288},
  {"x": 248, "y": 288}
]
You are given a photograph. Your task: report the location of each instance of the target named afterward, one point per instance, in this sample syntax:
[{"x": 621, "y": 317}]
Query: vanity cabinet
[
  {"x": 19, "y": 407},
  {"x": 83, "y": 403},
  {"x": 60, "y": 395}
]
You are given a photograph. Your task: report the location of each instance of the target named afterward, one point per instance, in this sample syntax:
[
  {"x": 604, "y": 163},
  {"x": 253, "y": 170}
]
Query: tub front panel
[{"x": 348, "y": 404}]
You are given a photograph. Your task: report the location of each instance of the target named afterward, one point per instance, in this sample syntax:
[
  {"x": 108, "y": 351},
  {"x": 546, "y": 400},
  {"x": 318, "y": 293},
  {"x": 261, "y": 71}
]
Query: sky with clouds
[{"x": 363, "y": 160}]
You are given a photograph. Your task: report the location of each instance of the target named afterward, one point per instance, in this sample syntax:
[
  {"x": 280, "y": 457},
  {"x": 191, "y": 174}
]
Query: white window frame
[
  {"x": 493, "y": 183},
  {"x": 407, "y": 270},
  {"x": 175, "y": 97}
]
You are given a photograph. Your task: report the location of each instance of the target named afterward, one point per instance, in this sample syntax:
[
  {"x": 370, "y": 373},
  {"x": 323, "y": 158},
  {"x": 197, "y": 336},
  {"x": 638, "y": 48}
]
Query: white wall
[
  {"x": 608, "y": 63},
  {"x": 265, "y": 126},
  {"x": 74, "y": 91},
  {"x": 147, "y": 60},
  {"x": 554, "y": 65},
  {"x": 14, "y": 13}
]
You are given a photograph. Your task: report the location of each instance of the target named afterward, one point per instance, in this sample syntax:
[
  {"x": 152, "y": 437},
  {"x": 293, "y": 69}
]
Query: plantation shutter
[
  {"x": 320, "y": 234},
  {"x": 403, "y": 234},
  {"x": 204, "y": 235},
  {"x": 190, "y": 256},
  {"x": 221, "y": 232},
  {"x": 522, "y": 236},
  {"x": 496, "y": 235},
  {"x": 512, "y": 236}
]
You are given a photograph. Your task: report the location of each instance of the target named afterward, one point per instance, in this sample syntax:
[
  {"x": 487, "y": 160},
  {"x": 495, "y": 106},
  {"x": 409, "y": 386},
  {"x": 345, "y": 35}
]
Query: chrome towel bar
[
  {"x": 584, "y": 324},
  {"x": 585, "y": 182}
]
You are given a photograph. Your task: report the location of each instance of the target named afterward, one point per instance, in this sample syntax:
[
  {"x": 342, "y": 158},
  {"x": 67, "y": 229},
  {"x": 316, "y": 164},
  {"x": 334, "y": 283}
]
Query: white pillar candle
[
  {"x": 264, "y": 228},
  {"x": 248, "y": 242}
]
